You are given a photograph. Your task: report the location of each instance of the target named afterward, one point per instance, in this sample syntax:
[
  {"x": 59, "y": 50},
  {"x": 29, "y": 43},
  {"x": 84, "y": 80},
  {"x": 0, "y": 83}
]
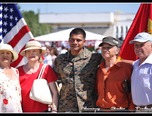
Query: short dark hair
[{"x": 78, "y": 31}]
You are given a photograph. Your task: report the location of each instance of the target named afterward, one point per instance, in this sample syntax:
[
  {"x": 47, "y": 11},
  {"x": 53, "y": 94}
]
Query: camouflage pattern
[{"x": 78, "y": 75}]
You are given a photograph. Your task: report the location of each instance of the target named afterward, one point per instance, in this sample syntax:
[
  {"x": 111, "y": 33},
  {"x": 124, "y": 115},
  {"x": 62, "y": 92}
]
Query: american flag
[{"x": 14, "y": 30}]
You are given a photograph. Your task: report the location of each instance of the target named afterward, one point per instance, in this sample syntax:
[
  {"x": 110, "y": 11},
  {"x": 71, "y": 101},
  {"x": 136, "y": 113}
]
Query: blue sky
[{"x": 80, "y": 7}]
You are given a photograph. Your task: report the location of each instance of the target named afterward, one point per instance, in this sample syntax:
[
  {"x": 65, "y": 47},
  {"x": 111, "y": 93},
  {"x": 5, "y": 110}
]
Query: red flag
[
  {"x": 14, "y": 30},
  {"x": 142, "y": 22}
]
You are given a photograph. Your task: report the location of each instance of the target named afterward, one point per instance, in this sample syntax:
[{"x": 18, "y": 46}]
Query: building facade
[{"x": 114, "y": 24}]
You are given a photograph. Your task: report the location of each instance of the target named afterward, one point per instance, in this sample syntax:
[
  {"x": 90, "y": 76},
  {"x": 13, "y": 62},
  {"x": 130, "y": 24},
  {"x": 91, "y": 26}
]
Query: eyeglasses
[{"x": 106, "y": 48}]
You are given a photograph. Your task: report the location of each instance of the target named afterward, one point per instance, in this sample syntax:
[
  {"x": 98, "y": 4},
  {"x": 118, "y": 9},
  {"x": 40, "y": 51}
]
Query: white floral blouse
[{"x": 10, "y": 93}]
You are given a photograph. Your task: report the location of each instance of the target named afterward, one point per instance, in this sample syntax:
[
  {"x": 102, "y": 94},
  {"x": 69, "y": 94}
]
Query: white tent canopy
[{"x": 64, "y": 36}]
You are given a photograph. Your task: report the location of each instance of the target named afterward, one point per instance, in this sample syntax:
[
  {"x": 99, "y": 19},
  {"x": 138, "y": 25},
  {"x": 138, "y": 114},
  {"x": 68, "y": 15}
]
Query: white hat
[
  {"x": 142, "y": 37},
  {"x": 48, "y": 44},
  {"x": 8, "y": 47},
  {"x": 33, "y": 45}
]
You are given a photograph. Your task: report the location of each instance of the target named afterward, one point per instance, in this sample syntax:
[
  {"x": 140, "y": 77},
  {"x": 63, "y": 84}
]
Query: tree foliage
[{"x": 35, "y": 27}]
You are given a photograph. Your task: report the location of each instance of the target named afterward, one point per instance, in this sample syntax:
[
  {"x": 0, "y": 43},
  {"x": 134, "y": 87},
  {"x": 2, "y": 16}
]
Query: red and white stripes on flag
[{"x": 14, "y": 30}]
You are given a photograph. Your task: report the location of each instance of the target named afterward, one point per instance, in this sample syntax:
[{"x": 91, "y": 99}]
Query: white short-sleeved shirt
[{"x": 141, "y": 82}]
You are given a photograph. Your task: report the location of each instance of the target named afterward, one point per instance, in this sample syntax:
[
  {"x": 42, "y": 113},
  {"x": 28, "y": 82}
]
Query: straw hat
[
  {"x": 33, "y": 45},
  {"x": 8, "y": 47}
]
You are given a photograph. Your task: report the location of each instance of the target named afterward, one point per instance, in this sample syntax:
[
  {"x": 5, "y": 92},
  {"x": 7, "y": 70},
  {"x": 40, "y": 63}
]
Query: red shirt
[{"x": 26, "y": 81}]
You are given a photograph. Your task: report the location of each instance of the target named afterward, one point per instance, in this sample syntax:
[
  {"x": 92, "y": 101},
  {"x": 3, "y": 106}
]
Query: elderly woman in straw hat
[
  {"x": 30, "y": 71},
  {"x": 10, "y": 90}
]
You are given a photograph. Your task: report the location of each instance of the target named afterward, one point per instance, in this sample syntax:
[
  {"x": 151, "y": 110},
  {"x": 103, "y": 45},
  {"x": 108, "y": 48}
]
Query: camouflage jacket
[{"x": 78, "y": 75}]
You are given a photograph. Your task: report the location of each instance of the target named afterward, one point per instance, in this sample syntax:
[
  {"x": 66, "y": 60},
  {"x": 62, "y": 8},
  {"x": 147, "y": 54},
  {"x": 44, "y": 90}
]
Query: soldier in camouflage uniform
[{"x": 77, "y": 71}]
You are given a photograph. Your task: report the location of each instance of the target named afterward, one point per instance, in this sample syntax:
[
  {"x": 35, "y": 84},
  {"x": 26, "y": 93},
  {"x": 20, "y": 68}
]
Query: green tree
[{"x": 35, "y": 27}]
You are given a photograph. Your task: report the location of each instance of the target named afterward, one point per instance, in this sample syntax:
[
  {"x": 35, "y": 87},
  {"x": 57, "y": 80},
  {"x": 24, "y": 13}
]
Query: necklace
[
  {"x": 107, "y": 68},
  {"x": 30, "y": 70}
]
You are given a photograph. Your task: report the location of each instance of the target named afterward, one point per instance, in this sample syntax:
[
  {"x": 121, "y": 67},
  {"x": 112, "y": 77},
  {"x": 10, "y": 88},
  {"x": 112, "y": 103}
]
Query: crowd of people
[{"x": 79, "y": 80}]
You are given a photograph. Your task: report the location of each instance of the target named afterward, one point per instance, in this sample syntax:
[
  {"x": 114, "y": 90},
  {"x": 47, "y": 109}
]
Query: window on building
[
  {"x": 117, "y": 32},
  {"x": 122, "y": 31}
]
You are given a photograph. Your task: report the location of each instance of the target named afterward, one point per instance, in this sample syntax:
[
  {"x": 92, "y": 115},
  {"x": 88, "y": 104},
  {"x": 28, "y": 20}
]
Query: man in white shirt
[{"x": 141, "y": 79}]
